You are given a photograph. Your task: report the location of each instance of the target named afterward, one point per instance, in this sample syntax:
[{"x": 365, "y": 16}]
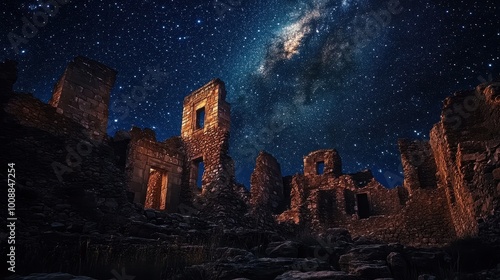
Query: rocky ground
[{"x": 156, "y": 245}]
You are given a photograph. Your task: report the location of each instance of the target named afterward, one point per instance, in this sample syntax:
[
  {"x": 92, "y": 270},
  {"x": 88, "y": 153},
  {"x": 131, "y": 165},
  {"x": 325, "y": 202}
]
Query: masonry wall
[
  {"x": 330, "y": 159},
  {"x": 266, "y": 185},
  {"x": 83, "y": 92},
  {"x": 465, "y": 146},
  {"x": 146, "y": 157},
  {"x": 85, "y": 194},
  {"x": 209, "y": 143},
  {"x": 417, "y": 217},
  {"x": 418, "y": 163},
  {"x": 26, "y": 110}
]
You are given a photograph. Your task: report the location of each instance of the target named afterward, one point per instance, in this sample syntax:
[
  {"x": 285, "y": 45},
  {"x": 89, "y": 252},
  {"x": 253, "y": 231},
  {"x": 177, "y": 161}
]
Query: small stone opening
[
  {"x": 350, "y": 203},
  {"x": 156, "y": 195},
  {"x": 320, "y": 167},
  {"x": 363, "y": 205},
  {"x": 200, "y": 118},
  {"x": 199, "y": 167}
]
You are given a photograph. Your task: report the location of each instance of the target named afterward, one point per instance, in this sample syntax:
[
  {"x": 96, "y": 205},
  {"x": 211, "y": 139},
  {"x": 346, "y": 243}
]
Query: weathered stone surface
[
  {"x": 286, "y": 249},
  {"x": 50, "y": 276},
  {"x": 83, "y": 94},
  {"x": 363, "y": 254},
  {"x": 316, "y": 275},
  {"x": 496, "y": 174},
  {"x": 261, "y": 268},
  {"x": 266, "y": 185},
  {"x": 371, "y": 271}
]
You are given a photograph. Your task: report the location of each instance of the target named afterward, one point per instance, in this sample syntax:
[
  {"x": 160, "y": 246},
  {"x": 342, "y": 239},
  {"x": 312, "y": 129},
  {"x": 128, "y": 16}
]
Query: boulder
[
  {"x": 287, "y": 249},
  {"x": 262, "y": 268},
  {"x": 397, "y": 264},
  {"x": 316, "y": 275},
  {"x": 371, "y": 270},
  {"x": 363, "y": 254}
]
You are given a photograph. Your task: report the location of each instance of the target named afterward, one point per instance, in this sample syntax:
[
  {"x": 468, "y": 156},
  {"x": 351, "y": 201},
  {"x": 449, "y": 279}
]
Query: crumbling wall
[
  {"x": 26, "y": 110},
  {"x": 65, "y": 180},
  {"x": 147, "y": 157},
  {"x": 427, "y": 219},
  {"x": 205, "y": 134},
  {"x": 330, "y": 199},
  {"x": 465, "y": 142},
  {"x": 266, "y": 185},
  {"x": 366, "y": 208},
  {"x": 207, "y": 139},
  {"x": 418, "y": 163},
  {"x": 330, "y": 159},
  {"x": 83, "y": 92}
]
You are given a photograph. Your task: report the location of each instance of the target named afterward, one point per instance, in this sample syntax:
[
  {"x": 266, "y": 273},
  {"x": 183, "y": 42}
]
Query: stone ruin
[
  {"x": 451, "y": 182},
  {"x": 82, "y": 94}
]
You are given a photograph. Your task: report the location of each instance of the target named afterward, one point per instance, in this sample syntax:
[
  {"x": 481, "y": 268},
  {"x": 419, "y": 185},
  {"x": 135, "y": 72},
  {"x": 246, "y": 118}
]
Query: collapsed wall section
[
  {"x": 419, "y": 166},
  {"x": 323, "y": 162},
  {"x": 266, "y": 185},
  {"x": 466, "y": 147},
  {"x": 416, "y": 214},
  {"x": 154, "y": 170}
]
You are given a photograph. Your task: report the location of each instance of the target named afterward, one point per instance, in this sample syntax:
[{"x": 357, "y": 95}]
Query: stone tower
[
  {"x": 205, "y": 132},
  {"x": 266, "y": 185},
  {"x": 82, "y": 93}
]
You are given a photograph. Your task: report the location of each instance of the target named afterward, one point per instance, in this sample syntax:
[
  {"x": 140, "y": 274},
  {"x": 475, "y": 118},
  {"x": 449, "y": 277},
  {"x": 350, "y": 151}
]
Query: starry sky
[{"x": 354, "y": 75}]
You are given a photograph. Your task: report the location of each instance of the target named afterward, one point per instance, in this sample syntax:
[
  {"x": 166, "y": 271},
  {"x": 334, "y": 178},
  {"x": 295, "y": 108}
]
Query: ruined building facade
[
  {"x": 451, "y": 182},
  {"x": 164, "y": 175}
]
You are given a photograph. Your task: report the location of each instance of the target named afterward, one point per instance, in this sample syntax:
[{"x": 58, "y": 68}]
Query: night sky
[{"x": 300, "y": 75}]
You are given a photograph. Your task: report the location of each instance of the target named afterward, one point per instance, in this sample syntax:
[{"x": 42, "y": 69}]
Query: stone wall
[
  {"x": 65, "y": 180},
  {"x": 418, "y": 163},
  {"x": 366, "y": 208},
  {"x": 329, "y": 159},
  {"x": 83, "y": 92},
  {"x": 145, "y": 157},
  {"x": 426, "y": 219},
  {"x": 212, "y": 98},
  {"x": 26, "y": 110},
  {"x": 207, "y": 139},
  {"x": 325, "y": 200},
  {"x": 465, "y": 144},
  {"x": 266, "y": 185}
]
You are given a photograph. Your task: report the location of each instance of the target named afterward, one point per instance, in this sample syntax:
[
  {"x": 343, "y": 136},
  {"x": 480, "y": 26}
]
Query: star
[{"x": 300, "y": 75}]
